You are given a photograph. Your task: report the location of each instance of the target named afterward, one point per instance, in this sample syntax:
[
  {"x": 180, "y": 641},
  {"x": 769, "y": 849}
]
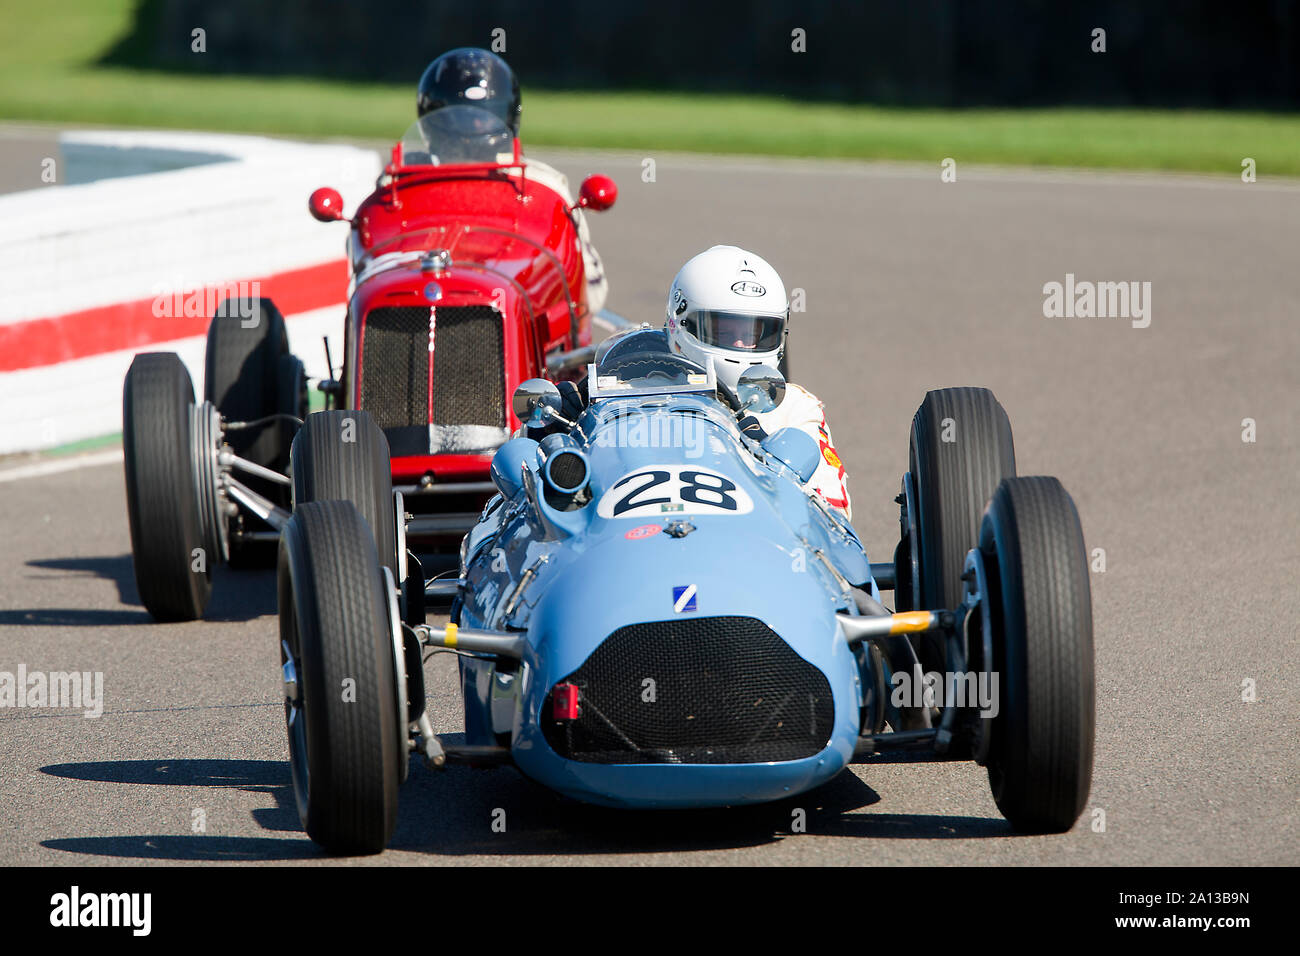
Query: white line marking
[
  {"x": 685, "y": 599},
  {"x": 59, "y": 465}
]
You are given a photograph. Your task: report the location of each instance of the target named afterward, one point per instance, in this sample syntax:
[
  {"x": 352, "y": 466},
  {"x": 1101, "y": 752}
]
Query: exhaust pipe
[{"x": 566, "y": 472}]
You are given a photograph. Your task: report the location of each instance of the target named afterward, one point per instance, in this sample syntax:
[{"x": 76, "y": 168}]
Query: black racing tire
[
  {"x": 953, "y": 482},
  {"x": 343, "y": 455},
  {"x": 334, "y": 622},
  {"x": 161, "y": 498},
  {"x": 903, "y": 576},
  {"x": 291, "y": 399},
  {"x": 1041, "y": 748},
  {"x": 291, "y": 390},
  {"x": 413, "y": 602},
  {"x": 241, "y": 377}
]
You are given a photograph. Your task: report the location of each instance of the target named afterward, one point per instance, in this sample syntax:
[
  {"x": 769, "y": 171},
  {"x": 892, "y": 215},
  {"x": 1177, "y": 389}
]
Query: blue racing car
[{"x": 656, "y": 611}]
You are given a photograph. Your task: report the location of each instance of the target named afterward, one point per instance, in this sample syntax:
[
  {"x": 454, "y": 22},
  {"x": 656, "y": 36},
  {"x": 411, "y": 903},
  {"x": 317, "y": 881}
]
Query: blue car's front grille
[{"x": 691, "y": 691}]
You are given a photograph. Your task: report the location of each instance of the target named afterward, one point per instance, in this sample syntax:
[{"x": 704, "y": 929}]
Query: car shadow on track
[
  {"x": 245, "y": 774},
  {"x": 116, "y": 568},
  {"x": 452, "y": 814},
  {"x": 74, "y": 571},
  {"x": 72, "y": 617},
  {"x": 461, "y": 812},
  {"x": 241, "y": 595},
  {"x": 254, "y": 776},
  {"x": 236, "y": 595},
  {"x": 198, "y": 848}
]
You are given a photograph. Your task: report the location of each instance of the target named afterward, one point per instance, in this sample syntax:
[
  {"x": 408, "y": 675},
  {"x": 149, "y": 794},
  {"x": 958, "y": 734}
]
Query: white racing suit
[
  {"x": 801, "y": 409},
  {"x": 552, "y": 178}
]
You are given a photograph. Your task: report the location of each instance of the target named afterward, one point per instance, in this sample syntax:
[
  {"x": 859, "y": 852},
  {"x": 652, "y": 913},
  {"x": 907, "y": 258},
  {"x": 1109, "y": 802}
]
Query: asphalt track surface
[
  {"x": 23, "y": 149},
  {"x": 910, "y": 284}
]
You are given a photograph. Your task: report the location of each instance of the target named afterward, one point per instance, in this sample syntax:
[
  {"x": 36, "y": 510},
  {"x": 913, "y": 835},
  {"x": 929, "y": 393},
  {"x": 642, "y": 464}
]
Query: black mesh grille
[
  {"x": 468, "y": 367},
  {"x": 395, "y": 371},
  {"x": 567, "y": 469},
  {"x": 725, "y": 689}
]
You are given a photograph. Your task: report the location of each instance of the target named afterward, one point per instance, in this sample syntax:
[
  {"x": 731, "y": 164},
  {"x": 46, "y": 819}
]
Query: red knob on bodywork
[
  {"x": 565, "y": 702},
  {"x": 598, "y": 193},
  {"x": 326, "y": 204}
]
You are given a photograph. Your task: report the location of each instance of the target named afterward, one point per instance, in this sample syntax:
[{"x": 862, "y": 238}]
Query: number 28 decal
[{"x": 673, "y": 490}]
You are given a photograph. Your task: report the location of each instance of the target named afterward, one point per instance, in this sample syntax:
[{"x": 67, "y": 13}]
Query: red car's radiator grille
[
  {"x": 721, "y": 690},
  {"x": 395, "y": 376},
  {"x": 466, "y": 391},
  {"x": 469, "y": 378}
]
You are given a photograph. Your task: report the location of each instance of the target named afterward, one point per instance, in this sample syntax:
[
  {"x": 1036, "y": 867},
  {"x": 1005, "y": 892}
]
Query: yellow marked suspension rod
[
  {"x": 499, "y": 643},
  {"x": 857, "y": 629},
  {"x": 914, "y": 622}
]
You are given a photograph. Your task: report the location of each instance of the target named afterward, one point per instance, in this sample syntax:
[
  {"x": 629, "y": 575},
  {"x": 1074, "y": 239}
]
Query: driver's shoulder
[
  {"x": 799, "y": 408},
  {"x": 548, "y": 176},
  {"x": 801, "y": 399}
]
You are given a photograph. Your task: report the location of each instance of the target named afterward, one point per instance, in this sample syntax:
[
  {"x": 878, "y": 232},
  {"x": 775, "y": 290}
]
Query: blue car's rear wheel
[
  {"x": 961, "y": 448},
  {"x": 341, "y": 703},
  {"x": 342, "y": 455}
]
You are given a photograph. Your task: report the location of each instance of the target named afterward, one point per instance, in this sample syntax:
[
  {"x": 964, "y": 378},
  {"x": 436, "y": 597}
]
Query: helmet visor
[
  {"x": 456, "y": 134},
  {"x": 741, "y": 331}
]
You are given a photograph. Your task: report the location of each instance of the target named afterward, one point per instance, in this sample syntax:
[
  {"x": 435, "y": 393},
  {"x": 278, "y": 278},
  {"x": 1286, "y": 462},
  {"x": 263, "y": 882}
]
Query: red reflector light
[{"x": 566, "y": 701}]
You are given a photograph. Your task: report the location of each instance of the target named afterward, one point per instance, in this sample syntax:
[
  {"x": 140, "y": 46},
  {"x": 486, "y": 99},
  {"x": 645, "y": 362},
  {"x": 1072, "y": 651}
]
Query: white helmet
[{"x": 729, "y": 304}]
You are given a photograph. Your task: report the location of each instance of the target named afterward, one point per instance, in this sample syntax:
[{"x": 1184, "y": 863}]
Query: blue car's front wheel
[
  {"x": 1040, "y": 760},
  {"x": 341, "y": 703}
]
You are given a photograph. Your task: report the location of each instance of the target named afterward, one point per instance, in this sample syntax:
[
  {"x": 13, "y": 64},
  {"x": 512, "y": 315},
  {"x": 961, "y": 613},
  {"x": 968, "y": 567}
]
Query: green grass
[
  {"x": 47, "y": 73},
  {"x": 85, "y": 445}
]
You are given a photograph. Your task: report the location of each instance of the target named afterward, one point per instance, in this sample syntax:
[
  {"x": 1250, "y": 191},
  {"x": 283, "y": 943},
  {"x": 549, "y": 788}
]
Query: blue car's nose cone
[
  {"x": 721, "y": 693},
  {"x": 678, "y": 786}
]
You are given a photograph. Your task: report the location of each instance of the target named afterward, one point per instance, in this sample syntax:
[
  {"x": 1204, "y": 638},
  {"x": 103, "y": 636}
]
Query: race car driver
[
  {"x": 469, "y": 76},
  {"x": 730, "y": 305}
]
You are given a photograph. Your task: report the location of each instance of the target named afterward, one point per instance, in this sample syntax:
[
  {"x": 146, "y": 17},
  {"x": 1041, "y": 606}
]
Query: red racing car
[{"x": 468, "y": 279}]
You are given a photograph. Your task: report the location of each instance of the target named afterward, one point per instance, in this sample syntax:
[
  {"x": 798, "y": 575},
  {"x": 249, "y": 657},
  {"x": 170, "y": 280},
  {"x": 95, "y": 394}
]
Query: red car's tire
[
  {"x": 173, "y": 572},
  {"x": 240, "y": 376},
  {"x": 291, "y": 390},
  {"x": 244, "y": 377}
]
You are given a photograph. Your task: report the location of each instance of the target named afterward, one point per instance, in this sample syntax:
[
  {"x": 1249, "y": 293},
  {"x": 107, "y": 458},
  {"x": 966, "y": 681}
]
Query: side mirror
[
  {"x": 326, "y": 205},
  {"x": 796, "y": 449},
  {"x": 760, "y": 389},
  {"x": 537, "y": 402},
  {"x": 598, "y": 193}
]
